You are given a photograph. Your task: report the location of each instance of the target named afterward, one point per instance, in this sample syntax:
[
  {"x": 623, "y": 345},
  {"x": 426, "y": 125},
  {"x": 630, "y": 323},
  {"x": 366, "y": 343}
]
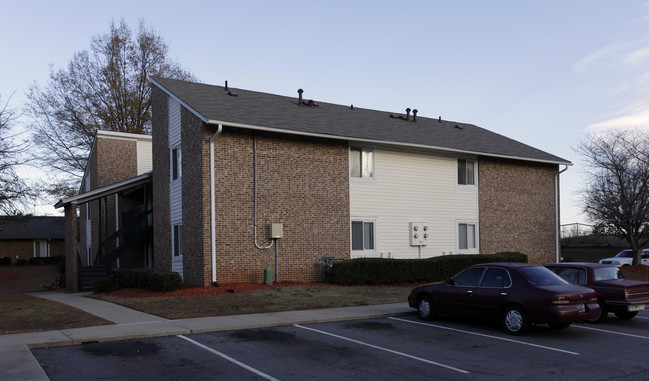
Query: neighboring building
[
  {"x": 24, "y": 237},
  {"x": 234, "y": 167}
]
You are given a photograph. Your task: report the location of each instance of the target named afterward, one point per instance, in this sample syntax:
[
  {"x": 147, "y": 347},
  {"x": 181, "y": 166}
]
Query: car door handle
[
  {"x": 469, "y": 292},
  {"x": 503, "y": 294}
]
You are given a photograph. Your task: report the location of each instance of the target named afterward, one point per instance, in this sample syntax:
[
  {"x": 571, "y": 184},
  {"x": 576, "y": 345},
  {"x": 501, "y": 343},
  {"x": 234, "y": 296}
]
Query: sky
[{"x": 546, "y": 73}]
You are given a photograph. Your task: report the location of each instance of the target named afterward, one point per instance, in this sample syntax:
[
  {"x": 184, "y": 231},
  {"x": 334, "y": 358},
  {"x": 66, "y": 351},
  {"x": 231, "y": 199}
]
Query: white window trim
[
  {"x": 375, "y": 223},
  {"x": 361, "y": 178},
  {"x": 475, "y": 172},
  {"x": 475, "y": 250}
]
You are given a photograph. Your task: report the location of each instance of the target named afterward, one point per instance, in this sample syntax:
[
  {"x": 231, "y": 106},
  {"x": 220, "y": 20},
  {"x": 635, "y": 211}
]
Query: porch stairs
[{"x": 88, "y": 274}]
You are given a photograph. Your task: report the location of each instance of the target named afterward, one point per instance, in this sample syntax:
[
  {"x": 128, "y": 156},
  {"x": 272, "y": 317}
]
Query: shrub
[
  {"x": 164, "y": 281},
  {"x": 150, "y": 279},
  {"x": 103, "y": 284},
  {"x": 5, "y": 261},
  {"x": 395, "y": 271},
  {"x": 21, "y": 262},
  {"x": 46, "y": 260}
]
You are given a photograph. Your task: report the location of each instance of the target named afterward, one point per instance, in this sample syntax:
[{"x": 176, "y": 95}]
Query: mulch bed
[
  {"x": 638, "y": 269},
  {"x": 222, "y": 289}
]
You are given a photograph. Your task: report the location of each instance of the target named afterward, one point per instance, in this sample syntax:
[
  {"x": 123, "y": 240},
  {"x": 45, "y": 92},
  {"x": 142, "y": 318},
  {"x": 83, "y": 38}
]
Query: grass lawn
[
  {"x": 21, "y": 312},
  {"x": 265, "y": 300}
]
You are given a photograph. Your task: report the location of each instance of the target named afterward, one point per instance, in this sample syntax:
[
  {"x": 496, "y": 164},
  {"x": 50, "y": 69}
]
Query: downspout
[
  {"x": 213, "y": 204},
  {"x": 254, "y": 150},
  {"x": 556, "y": 214}
]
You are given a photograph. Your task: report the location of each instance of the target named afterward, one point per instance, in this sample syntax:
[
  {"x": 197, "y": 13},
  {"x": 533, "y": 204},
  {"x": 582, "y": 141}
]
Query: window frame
[
  {"x": 363, "y": 176},
  {"x": 462, "y": 163},
  {"x": 374, "y": 241},
  {"x": 177, "y": 241},
  {"x": 476, "y": 235},
  {"x": 176, "y": 163}
]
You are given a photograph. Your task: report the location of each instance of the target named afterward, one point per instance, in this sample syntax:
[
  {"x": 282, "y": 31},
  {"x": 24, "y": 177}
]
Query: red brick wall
[
  {"x": 197, "y": 260},
  {"x": 302, "y": 183},
  {"x": 161, "y": 212},
  {"x": 517, "y": 208},
  {"x": 24, "y": 248}
]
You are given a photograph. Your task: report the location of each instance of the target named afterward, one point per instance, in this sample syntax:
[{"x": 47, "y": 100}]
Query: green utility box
[{"x": 268, "y": 276}]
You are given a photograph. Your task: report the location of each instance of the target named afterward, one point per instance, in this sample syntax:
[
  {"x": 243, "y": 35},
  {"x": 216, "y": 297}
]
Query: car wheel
[
  {"x": 626, "y": 315},
  {"x": 559, "y": 325},
  {"x": 514, "y": 320},
  {"x": 426, "y": 308},
  {"x": 603, "y": 312}
]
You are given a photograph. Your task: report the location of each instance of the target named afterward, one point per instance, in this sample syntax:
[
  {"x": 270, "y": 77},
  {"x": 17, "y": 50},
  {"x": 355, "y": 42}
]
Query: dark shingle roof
[
  {"x": 31, "y": 227},
  {"x": 280, "y": 113}
]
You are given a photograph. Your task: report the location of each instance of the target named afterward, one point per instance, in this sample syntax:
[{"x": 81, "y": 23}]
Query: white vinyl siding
[
  {"x": 144, "y": 157},
  {"x": 414, "y": 186},
  {"x": 175, "y": 188}
]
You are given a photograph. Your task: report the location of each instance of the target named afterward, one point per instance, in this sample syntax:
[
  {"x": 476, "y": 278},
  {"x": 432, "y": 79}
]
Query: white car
[{"x": 625, "y": 258}]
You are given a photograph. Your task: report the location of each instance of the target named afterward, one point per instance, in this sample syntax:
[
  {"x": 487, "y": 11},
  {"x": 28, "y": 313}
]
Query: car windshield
[
  {"x": 608, "y": 273},
  {"x": 625, "y": 254},
  {"x": 540, "y": 276}
]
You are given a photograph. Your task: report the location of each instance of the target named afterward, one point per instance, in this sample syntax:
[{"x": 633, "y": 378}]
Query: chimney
[
  {"x": 226, "y": 85},
  {"x": 408, "y": 114},
  {"x": 300, "y": 91},
  {"x": 414, "y": 115}
]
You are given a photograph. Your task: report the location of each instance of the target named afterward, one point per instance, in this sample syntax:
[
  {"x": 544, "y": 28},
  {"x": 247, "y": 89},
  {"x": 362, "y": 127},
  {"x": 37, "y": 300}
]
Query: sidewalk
[{"x": 18, "y": 363}]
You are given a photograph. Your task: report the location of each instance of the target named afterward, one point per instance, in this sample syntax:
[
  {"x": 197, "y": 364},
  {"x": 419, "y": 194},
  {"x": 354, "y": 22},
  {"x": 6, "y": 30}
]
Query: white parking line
[
  {"x": 253, "y": 370},
  {"x": 489, "y": 336},
  {"x": 642, "y": 317},
  {"x": 613, "y": 332},
  {"x": 385, "y": 349}
]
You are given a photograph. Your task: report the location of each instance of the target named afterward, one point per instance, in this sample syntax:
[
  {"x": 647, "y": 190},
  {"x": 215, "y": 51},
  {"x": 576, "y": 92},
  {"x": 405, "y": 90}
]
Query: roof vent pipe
[
  {"x": 300, "y": 91},
  {"x": 414, "y": 115},
  {"x": 226, "y": 85},
  {"x": 408, "y": 114},
  {"x": 440, "y": 119}
]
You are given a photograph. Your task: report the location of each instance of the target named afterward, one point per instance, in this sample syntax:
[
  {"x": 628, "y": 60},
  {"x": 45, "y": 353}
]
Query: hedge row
[
  {"x": 395, "y": 271},
  {"x": 151, "y": 279}
]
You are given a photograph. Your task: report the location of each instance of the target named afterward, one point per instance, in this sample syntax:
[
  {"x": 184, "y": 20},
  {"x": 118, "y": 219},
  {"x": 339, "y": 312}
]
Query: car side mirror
[{"x": 450, "y": 282}]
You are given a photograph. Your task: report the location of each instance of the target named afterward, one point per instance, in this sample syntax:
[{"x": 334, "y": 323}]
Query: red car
[
  {"x": 517, "y": 294},
  {"x": 623, "y": 297}
]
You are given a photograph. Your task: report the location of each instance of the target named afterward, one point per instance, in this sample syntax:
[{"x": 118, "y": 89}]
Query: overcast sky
[{"x": 546, "y": 73}]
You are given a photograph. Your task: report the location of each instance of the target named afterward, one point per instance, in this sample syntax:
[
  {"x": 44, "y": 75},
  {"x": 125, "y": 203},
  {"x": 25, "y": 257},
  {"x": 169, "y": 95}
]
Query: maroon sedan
[
  {"x": 623, "y": 297},
  {"x": 517, "y": 294}
]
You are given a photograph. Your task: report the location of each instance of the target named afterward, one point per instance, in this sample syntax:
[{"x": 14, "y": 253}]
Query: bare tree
[
  {"x": 616, "y": 197},
  {"x": 13, "y": 190},
  {"x": 105, "y": 88}
]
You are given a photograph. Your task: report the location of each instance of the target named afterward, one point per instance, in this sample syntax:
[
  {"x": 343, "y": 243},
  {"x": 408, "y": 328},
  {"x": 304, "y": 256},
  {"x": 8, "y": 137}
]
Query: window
[
  {"x": 363, "y": 235},
  {"x": 470, "y": 277},
  {"x": 40, "y": 248},
  {"x": 498, "y": 278},
  {"x": 178, "y": 240},
  {"x": 361, "y": 163},
  {"x": 466, "y": 236},
  {"x": 176, "y": 163},
  {"x": 465, "y": 172}
]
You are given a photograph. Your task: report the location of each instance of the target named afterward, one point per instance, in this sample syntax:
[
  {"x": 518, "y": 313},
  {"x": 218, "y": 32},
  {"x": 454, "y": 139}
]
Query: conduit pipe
[
  {"x": 213, "y": 204},
  {"x": 254, "y": 154},
  {"x": 557, "y": 248}
]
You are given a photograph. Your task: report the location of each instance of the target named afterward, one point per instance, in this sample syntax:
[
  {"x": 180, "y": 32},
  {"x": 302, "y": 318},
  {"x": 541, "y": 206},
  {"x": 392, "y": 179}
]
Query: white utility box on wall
[
  {"x": 276, "y": 231},
  {"x": 419, "y": 233}
]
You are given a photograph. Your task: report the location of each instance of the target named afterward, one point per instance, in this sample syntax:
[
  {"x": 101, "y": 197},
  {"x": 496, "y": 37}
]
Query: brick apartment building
[{"x": 243, "y": 181}]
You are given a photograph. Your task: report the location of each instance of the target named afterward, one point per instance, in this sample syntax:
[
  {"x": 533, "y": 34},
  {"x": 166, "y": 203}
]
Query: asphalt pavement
[{"x": 18, "y": 363}]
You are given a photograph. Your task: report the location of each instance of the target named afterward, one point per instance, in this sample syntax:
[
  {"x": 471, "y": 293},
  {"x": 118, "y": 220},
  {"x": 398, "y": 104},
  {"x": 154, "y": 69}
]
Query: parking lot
[{"x": 390, "y": 348}]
